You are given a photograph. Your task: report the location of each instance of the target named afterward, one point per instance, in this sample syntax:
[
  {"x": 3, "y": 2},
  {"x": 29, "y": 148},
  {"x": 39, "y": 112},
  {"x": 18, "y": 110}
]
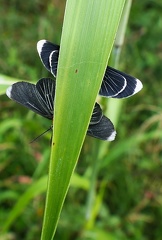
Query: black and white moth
[
  {"x": 115, "y": 84},
  {"x": 40, "y": 98}
]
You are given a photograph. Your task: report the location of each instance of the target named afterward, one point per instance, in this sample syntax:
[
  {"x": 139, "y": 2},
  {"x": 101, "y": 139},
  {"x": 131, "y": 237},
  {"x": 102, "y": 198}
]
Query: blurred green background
[{"x": 124, "y": 200}]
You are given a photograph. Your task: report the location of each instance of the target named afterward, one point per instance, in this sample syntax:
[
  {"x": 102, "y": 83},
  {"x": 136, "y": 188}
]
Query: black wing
[
  {"x": 40, "y": 97},
  {"x": 112, "y": 84},
  {"x": 46, "y": 88},
  {"x": 103, "y": 130},
  {"x": 54, "y": 62},
  {"x": 45, "y": 50},
  {"x": 30, "y": 96},
  {"x": 100, "y": 126},
  {"x": 96, "y": 115},
  {"x": 133, "y": 85},
  {"x": 115, "y": 83}
]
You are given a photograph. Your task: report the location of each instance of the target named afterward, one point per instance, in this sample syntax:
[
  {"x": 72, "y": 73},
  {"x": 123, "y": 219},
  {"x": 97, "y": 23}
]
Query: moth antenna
[{"x": 35, "y": 139}]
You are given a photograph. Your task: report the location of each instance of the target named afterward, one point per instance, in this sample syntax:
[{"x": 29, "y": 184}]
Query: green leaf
[
  {"x": 88, "y": 34},
  {"x": 96, "y": 233},
  {"x": 34, "y": 190},
  {"x": 5, "y": 82}
]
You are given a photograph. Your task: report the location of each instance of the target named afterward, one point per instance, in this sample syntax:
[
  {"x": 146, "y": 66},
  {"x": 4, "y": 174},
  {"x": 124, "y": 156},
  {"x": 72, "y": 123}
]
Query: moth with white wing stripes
[
  {"x": 40, "y": 98},
  {"x": 115, "y": 84}
]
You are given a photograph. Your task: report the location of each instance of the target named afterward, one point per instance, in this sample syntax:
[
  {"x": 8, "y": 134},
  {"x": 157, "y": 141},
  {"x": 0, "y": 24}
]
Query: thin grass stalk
[
  {"x": 113, "y": 110},
  {"x": 93, "y": 179},
  {"x": 114, "y": 106}
]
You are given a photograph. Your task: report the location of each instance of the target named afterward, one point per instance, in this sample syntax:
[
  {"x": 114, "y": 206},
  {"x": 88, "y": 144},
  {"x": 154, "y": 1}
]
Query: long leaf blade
[{"x": 87, "y": 38}]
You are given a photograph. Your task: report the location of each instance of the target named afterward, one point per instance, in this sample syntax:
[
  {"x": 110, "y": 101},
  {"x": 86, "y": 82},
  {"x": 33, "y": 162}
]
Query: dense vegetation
[{"x": 128, "y": 180}]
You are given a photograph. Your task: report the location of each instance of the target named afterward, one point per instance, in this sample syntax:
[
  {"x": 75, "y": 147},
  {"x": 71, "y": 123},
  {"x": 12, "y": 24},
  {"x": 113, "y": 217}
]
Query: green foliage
[
  {"x": 128, "y": 195},
  {"x": 79, "y": 77}
]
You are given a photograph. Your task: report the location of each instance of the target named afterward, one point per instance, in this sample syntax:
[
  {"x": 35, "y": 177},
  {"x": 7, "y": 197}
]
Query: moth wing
[
  {"x": 27, "y": 95},
  {"x": 103, "y": 130},
  {"x": 54, "y": 62},
  {"x": 45, "y": 48},
  {"x": 96, "y": 115},
  {"x": 46, "y": 88},
  {"x": 117, "y": 84},
  {"x": 112, "y": 84},
  {"x": 133, "y": 86}
]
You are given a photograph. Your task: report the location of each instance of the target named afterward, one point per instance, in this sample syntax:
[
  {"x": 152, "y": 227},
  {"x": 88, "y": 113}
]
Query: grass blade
[{"x": 88, "y": 34}]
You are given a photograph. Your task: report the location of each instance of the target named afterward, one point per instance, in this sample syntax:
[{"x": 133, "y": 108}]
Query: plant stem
[
  {"x": 113, "y": 110},
  {"x": 94, "y": 174}
]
